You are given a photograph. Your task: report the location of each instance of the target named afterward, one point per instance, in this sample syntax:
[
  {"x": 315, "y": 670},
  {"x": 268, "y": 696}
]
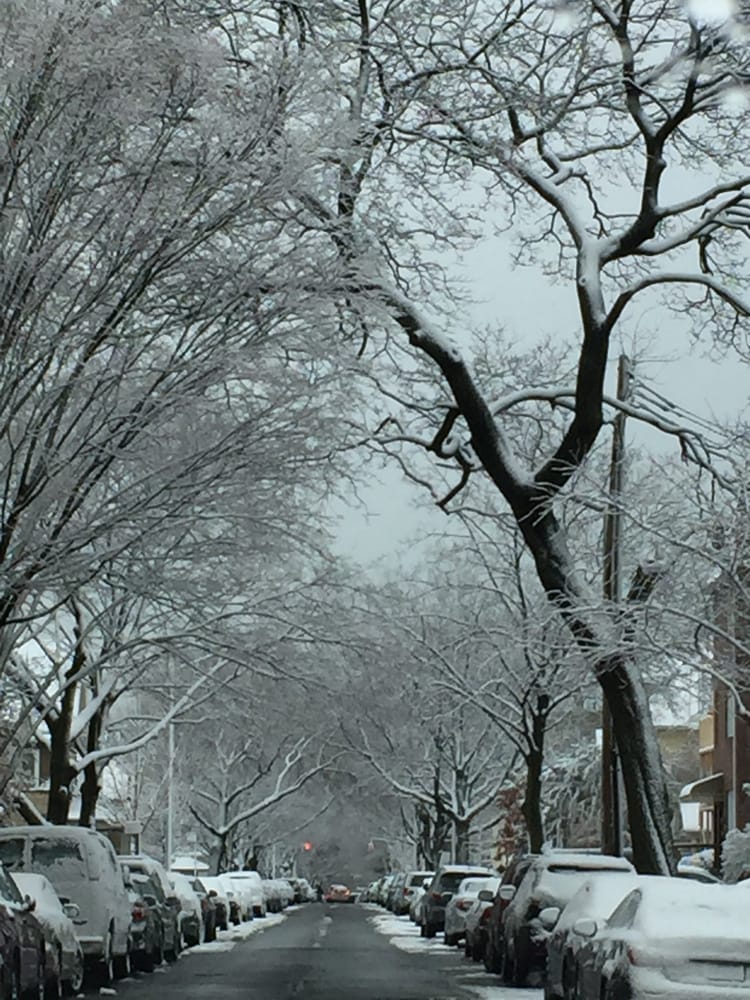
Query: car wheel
[
  {"x": 103, "y": 973},
  {"x": 53, "y": 989},
  {"x": 122, "y": 965},
  {"x": 422, "y": 931},
  {"x": 74, "y": 985},
  {"x": 430, "y": 930},
  {"x": 448, "y": 939},
  {"x": 492, "y": 962},
  {"x": 467, "y": 947}
]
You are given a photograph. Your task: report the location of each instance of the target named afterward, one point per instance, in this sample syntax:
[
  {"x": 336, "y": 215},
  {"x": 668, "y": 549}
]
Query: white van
[{"x": 82, "y": 867}]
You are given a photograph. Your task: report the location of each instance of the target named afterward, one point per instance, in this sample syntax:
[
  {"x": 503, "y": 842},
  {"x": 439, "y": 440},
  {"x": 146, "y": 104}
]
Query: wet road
[{"x": 319, "y": 952}]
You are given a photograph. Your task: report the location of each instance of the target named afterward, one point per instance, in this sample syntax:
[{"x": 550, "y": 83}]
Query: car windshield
[{"x": 61, "y": 859}]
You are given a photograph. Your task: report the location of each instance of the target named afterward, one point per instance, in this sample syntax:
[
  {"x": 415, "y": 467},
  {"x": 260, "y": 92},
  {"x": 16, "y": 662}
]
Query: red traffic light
[{"x": 307, "y": 846}]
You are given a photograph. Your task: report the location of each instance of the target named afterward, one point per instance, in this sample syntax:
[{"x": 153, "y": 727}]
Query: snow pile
[
  {"x": 226, "y": 940},
  {"x": 735, "y": 854},
  {"x": 405, "y": 935}
]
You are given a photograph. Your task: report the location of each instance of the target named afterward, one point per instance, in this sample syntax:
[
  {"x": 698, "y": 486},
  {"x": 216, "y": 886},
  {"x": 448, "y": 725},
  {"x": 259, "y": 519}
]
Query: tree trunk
[
  {"x": 61, "y": 772},
  {"x": 532, "y": 800},
  {"x": 645, "y": 786},
  {"x": 461, "y": 833},
  {"x": 643, "y": 775},
  {"x": 90, "y": 788}
]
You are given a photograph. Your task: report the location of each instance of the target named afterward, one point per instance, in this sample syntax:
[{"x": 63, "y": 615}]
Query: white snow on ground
[
  {"x": 405, "y": 935},
  {"x": 226, "y": 940}
]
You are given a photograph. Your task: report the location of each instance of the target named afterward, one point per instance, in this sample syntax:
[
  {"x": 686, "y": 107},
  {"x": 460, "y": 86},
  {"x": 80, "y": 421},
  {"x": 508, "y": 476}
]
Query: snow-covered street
[{"x": 404, "y": 935}]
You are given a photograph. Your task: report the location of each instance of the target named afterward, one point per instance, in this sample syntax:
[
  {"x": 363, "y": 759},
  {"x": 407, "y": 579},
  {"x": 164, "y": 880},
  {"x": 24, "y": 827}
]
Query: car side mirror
[
  {"x": 71, "y": 910},
  {"x": 426, "y": 883},
  {"x": 506, "y": 892},
  {"x": 548, "y": 917},
  {"x": 213, "y": 894},
  {"x": 486, "y": 895},
  {"x": 29, "y": 904},
  {"x": 585, "y": 927},
  {"x": 174, "y": 903},
  {"x": 150, "y": 901},
  {"x": 446, "y": 896}
]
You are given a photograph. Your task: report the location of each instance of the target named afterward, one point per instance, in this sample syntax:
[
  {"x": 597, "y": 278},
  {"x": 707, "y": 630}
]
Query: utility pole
[
  {"x": 611, "y": 805},
  {"x": 170, "y": 796}
]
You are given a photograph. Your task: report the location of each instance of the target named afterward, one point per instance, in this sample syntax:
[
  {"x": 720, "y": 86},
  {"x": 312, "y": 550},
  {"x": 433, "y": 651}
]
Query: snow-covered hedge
[{"x": 735, "y": 854}]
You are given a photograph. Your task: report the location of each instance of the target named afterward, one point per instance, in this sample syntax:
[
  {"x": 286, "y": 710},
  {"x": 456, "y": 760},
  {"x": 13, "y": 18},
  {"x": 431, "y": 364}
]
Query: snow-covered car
[
  {"x": 415, "y": 902},
  {"x": 458, "y": 906},
  {"x": 249, "y": 887},
  {"x": 64, "y": 966},
  {"x": 698, "y": 873},
  {"x": 82, "y": 866},
  {"x": 146, "y": 933},
  {"x": 24, "y": 968},
  {"x": 278, "y": 894},
  {"x": 443, "y": 885},
  {"x": 163, "y": 894},
  {"x": 412, "y": 884},
  {"x": 338, "y": 893},
  {"x": 476, "y": 919},
  {"x": 669, "y": 938},
  {"x": 209, "y": 909},
  {"x": 596, "y": 899},
  {"x": 218, "y": 892},
  {"x": 190, "y": 917},
  {"x": 550, "y": 883}
]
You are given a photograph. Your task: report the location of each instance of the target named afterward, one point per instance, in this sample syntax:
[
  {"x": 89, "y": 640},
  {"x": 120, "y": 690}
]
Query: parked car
[
  {"x": 167, "y": 903},
  {"x": 209, "y": 909},
  {"x": 511, "y": 879},
  {"x": 413, "y": 882},
  {"x": 25, "y": 949},
  {"x": 383, "y": 888},
  {"x": 218, "y": 893},
  {"x": 394, "y": 890},
  {"x": 595, "y": 899},
  {"x": 476, "y": 920},
  {"x": 278, "y": 894},
  {"x": 190, "y": 916},
  {"x": 454, "y": 929},
  {"x": 696, "y": 872},
  {"x": 443, "y": 885},
  {"x": 337, "y": 893},
  {"x": 250, "y": 889},
  {"x": 82, "y": 866},
  {"x": 146, "y": 929},
  {"x": 415, "y": 902},
  {"x": 65, "y": 972},
  {"x": 550, "y": 883},
  {"x": 671, "y": 938}
]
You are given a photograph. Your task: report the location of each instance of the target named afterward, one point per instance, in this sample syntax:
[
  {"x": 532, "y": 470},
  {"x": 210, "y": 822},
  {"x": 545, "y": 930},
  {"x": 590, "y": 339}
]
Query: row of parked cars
[
  {"x": 586, "y": 926},
  {"x": 70, "y": 907}
]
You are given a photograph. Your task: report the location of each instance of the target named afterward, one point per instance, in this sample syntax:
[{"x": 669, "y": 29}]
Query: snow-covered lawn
[
  {"x": 405, "y": 935},
  {"x": 226, "y": 940}
]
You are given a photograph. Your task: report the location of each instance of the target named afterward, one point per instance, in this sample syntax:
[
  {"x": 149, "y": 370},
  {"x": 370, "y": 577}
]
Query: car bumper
[
  {"x": 92, "y": 947},
  {"x": 652, "y": 984}
]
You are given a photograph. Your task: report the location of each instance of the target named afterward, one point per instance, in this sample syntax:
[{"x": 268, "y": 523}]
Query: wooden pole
[{"x": 611, "y": 806}]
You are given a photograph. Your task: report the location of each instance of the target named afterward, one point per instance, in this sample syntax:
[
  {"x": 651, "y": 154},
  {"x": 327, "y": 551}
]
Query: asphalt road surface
[{"x": 319, "y": 952}]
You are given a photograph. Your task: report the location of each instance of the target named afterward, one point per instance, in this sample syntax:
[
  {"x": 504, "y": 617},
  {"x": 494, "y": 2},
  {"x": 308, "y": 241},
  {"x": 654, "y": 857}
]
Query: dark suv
[
  {"x": 512, "y": 877},
  {"x": 444, "y": 883}
]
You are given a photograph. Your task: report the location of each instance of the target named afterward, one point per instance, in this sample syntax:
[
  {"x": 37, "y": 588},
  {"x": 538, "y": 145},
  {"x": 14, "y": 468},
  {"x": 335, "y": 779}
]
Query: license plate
[{"x": 725, "y": 971}]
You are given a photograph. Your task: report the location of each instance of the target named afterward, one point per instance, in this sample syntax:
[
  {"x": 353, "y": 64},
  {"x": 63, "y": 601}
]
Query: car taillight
[
  {"x": 632, "y": 955},
  {"x": 463, "y": 904},
  {"x": 484, "y": 916},
  {"x": 406, "y": 892},
  {"x": 138, "y": 912},
  {"x": 437, "y": 896}
]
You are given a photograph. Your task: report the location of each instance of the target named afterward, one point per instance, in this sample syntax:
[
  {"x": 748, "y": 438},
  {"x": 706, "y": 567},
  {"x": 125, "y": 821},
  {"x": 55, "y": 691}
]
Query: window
[
  {"x": 61, "y": 859},
  {"x": 625, "y": 913},
  {"x": 11, "y": 853}
]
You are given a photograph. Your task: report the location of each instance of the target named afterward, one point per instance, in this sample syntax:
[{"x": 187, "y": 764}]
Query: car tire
[
  {"x": 422, "y": 931},
  {"x": 73, "y": 986},
  {"x": 492, "y": 962},
  {"x": 122, "y": 965},
  {"x": 430, "y": 930},
  {"x": 467, "y": 947},
  {"x": 477, "y": 953},
  {"x": 53, "y": 987}
]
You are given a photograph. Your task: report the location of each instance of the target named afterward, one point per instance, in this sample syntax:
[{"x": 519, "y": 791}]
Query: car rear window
[
  {"x": 62, "y": 860},
  {"x": 419, "y": 878},
  {"x": 450, "y": 881}
]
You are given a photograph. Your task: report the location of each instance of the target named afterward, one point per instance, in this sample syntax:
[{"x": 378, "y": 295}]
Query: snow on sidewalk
[
  {"x": 226, "y": 940},
  {"x": 405, "y": 935}
]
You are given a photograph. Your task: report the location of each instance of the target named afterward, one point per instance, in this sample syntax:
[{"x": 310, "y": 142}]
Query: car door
[{"x": 29, "y": 933}]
